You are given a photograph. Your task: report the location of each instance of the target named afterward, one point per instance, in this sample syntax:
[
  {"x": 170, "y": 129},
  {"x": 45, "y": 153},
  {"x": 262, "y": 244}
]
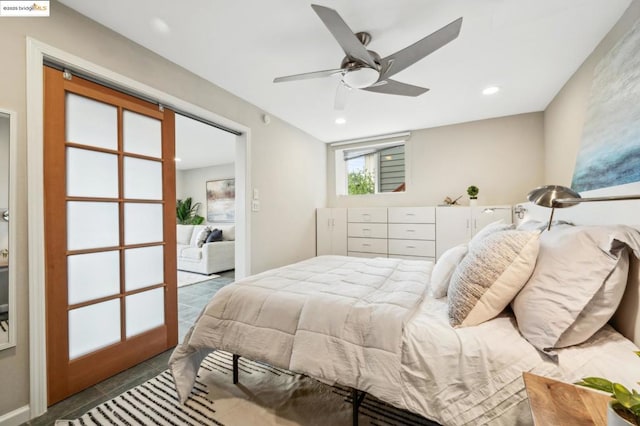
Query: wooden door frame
[{"x": 36, "y": 53}]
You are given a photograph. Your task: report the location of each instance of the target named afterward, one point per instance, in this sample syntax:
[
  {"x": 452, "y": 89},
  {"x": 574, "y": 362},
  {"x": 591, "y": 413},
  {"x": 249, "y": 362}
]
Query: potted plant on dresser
[
  {"x": 473, "y": 191},
  {"x": 624, "y": 407}
]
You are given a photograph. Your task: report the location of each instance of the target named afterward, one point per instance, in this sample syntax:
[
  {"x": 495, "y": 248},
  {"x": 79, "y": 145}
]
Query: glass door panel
[
  {"x": 90, "y": 122},
  {"x": 145, "y": 311},
  {"x": 83, "y": 166},
  {"x": 92, "y": 225},
  {"x": 142, "y": 179},
  {"x": 142, "y": 223},
  {"x": 142, "y": 135},
  {"x": 143, "y": 267},
  {"x": 93, "y": 276},
  {"x": 93, "y": 327}
]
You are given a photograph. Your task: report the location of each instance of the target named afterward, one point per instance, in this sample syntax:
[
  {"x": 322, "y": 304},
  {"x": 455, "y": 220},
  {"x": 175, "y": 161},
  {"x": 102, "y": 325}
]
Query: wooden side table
[{"x": 562, "y": 404}]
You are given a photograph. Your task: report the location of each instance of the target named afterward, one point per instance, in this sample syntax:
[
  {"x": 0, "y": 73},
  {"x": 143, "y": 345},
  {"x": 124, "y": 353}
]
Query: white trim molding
[
  {"x": 15, "y": 417},
  {"x": 36, "y": 53}
]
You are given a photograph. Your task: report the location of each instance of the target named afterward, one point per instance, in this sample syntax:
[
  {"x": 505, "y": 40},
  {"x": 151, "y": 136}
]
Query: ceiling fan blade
[
  {"x": 341, "y": 96},
  {"x": 408, "y": 56},
  {"x": 308, "y": 75},
  {"x": 344, "y": 36},
  {"x": 392, "y": 87}
]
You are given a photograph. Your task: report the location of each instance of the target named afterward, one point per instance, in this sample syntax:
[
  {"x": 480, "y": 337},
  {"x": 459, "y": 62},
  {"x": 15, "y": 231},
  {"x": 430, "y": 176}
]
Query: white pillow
[
  {"x": 443, "y": 270},
  {"x": 489, "y": 229},
  {"x": 490, "y": 276},
  {"x": 574, "y": 264}
]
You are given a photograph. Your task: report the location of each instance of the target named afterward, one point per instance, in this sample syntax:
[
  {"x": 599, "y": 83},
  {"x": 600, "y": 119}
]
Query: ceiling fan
[{"x": 365, "y": 69}]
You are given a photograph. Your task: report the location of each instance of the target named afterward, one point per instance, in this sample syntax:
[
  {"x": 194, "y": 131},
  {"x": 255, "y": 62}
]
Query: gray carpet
[{"x": 265, "y": 396}]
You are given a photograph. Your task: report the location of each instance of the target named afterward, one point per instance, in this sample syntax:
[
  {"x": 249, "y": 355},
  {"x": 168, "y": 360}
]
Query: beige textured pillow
[{"x": 490, "y": 276}]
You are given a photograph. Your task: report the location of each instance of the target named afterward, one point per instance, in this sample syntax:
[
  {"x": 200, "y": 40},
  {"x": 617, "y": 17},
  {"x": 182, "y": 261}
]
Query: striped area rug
[{"x": 265, "y": 396}]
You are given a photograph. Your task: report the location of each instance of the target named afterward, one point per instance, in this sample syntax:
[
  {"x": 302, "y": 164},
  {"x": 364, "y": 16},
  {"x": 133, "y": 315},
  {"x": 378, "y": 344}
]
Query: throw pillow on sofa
[
  {"x": 215, "y": 235},
  {"x": 202, "y": 236}
]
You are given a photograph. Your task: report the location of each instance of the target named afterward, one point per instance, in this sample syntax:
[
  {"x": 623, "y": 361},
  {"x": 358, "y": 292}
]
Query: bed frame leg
[
  {"x": 235, "y": 368},
  {"x": 356, "y": 397}
]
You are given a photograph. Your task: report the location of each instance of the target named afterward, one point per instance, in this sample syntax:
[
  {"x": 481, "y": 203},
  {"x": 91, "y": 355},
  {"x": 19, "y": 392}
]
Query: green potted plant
[
  {"x": 473, "y": 191},
  {"x": 624, "y": 407},
  {"x": 186, "y": 213}
]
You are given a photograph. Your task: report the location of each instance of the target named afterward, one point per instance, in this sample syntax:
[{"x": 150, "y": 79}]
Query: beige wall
[
  {"x": 565, "y": 115},
  {"x": 501, "y": 156},
  {"x": 192, "y": 183},
  {"x": 286, "y": 164}
]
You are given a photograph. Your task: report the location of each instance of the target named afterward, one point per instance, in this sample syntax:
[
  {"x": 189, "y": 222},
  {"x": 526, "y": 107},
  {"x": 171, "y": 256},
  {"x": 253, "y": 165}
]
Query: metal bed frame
[{"x": 357, "y": 396}]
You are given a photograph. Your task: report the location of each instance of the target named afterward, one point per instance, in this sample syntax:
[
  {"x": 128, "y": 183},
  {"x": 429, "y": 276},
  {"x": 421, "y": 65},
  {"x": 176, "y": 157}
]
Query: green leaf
[
  {"x": 635, "y": 409},
  {"x": 623, "y": 395},
  {"x": 597, "y": 383},
  {"x": 637, "y": 353}
]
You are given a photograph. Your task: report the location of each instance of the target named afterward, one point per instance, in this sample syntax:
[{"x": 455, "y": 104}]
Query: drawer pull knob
[
  {"x": 412, "y": 247},
  {"x": 366, "y": 245},
  {"x": 411, "y": 230}
]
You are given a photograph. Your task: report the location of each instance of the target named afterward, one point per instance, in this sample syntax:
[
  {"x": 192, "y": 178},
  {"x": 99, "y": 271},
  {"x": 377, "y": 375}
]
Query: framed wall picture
[{"x": 221, "y": 200}]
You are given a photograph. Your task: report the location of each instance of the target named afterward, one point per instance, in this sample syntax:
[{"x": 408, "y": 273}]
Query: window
[{"x": 371, "y": 169}]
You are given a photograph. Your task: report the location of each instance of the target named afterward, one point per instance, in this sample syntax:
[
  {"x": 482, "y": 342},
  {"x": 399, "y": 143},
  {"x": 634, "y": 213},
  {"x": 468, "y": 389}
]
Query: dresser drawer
[
  {"x": 367, "y": 230},
  {"x": 412, "y": 215},
  {"x": 412, "y": 231},
  {"x": 367, "y": 255},
  {"x": 367, "y": 245},
  {"x": 375, "y": 215},
  {"x": 401, "y": 256},
  {"x": 412, "y": 248}
]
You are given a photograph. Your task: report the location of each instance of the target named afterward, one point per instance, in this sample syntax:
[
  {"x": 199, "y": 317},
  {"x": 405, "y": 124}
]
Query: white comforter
[
  {"x": 371, "y": 324},
  {"x": 337, "y": 319}
]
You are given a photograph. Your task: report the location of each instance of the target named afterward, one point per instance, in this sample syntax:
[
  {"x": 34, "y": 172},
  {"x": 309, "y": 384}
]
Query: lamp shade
[
  {"x": 546, "y": 195},
  {"x": 360, "y": 78}
]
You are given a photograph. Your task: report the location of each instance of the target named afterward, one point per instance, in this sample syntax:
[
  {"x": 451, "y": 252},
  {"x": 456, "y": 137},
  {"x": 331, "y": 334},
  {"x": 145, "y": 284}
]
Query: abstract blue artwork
[{"x": 610, "y": 147}]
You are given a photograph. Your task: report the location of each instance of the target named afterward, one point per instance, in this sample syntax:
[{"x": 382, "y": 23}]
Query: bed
[{"x": 377, "y": 326}]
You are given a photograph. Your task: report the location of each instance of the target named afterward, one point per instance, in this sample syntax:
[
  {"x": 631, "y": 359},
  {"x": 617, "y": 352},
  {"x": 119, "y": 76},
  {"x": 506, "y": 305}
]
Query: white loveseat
[{"x": 211, "y": 257}]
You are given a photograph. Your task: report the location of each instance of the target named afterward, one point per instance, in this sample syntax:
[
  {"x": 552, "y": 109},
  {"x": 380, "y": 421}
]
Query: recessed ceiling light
[
  {"x": 177, "y": 159},
  {"x": 491, "y": 90},
  {"x": 341, "y": 120},
  {"x": 160, "y": 25}
]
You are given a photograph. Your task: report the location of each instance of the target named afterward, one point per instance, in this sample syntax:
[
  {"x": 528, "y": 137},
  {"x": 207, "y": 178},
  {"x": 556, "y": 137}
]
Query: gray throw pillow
[{"x": 215, "y": 235}]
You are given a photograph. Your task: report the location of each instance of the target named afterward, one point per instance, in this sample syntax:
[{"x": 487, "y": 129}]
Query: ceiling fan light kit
[{"x": 364, "y": 69}]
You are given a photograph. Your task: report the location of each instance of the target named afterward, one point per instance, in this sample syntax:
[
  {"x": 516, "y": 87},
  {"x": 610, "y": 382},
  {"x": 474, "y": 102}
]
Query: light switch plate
[
  {"x": 255, "y": 206},
  {"x": 256, "y": 194}
]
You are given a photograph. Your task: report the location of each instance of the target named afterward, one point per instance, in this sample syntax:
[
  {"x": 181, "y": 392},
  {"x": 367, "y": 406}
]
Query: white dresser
[
  {"x": 412, "y": 232},
  {"x": 367, "y": 232},
  {"x": 401, "y": 232}
]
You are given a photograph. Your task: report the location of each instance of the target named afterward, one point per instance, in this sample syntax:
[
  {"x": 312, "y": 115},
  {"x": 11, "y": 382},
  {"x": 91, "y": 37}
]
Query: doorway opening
[{"x": 205, "y": 215}]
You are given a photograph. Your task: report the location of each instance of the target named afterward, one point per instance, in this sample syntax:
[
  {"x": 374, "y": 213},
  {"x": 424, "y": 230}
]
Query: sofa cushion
[
  {"x": 183, "y": 234},
  {"x": 193, "y": 253}
]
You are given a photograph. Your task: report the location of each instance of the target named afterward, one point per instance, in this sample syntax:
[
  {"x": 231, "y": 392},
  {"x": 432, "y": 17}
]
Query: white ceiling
[
  {"x": 201, "y": 145},
  {"x": 527, "y": 47}
]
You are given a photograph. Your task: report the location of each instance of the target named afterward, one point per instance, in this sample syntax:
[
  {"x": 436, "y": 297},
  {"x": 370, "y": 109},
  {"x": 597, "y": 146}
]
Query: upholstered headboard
[{"x": 627, "y": 318}]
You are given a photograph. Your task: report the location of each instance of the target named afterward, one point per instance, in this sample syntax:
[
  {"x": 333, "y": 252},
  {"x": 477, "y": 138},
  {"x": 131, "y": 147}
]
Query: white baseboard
[{"x": 16, "y": 417}]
